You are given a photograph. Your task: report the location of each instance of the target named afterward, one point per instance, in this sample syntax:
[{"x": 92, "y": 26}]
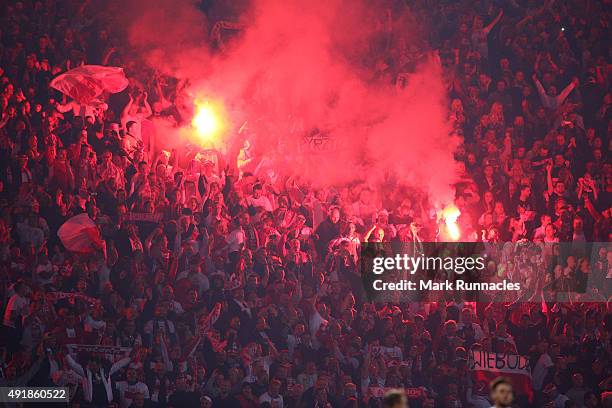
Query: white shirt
[
  {"x": 127, "y": 392},
  {"x": 236, "y": 239},
  {"x": 478, "y": 333},
  {"x": 540, "y": 370},
  {"x": 267, "y": 398},
  {"x": 393, "y": 353},
  {"x": 262, "y": 202},
  {"x": 16, "y": 308}
]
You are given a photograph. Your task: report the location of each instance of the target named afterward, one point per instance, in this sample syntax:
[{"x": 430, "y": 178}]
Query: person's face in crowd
[
  {"x": 82, "y": 285},
  {"x": 235, "y": 323},
  {"x": 247, "y": 392},
  {"x": 129, "y": 327},
  {"x": 257, "y": 192},
  {"x": 450, "y": 329},
  {"x": 550, "y": 231},
  {"x": 560, "y": 187},
  {"x": 390, "y": 340},
  {"x": 244, "y": 219},
  {"x": 275, "y": 386},
  {"x": 157, "y": 108},
  {"x": 224, "y": 387},
  {"x": 483, "y": 80},
  {"x": 350, "y": 390},
  {"x": 578, "y": 224},
  {"x": 138, "y": 400},
  {"x": 161, "y": 171},
  {"x": 61, "y": 155},
  {"x": 519, "y": 77},
  {"x": 26, "y": 108},
  {"x": 597, "y": 155},
  {"x": 577, "y": 380},
  {"x": 591, "y": 401},
  {"x": 168, "y": 293},
  {"x": 43, "y": 43},
  {"x": 23, "y": 162},
  {"x": 378, "y": 235},
  {"x": 94, "y": 365},
  {"x": 261, "y": 325},
  {"x": 282, "y": 202},
  {"x": 597, "y": 143},
  {"x": 502, "y": 395},
  {"x": 160, "y": 311},
  {"x": 584, "y": 266},
  {"x": 451, "y": 401},
  {"x": 525, "y": 192},
  {"x": 429, "y": 403},
  {"x": 334, "y": 216},
  {"x": 181, "y": 384},
  {"x": 499, "y": 209},
  {"x": 8, "y": 91},
  {"x": 131, "y": 376},
  {"x": 559, "y": 160}
]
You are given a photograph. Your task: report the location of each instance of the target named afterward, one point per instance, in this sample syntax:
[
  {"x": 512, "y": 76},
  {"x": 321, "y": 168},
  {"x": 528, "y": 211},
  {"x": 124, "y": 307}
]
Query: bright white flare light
[
  {"x": 450, "y": 214},
  {"x": 206, "y": 121}
]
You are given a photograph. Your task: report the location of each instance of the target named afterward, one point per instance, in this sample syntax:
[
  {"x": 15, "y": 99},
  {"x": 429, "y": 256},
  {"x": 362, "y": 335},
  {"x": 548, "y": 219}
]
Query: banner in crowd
[
  {"x": 55, "y": 296},
  {"x": 487, "y": 366},
  {"x": 379, "y": 392},
  {"x": 112, "y": 353},
  {"x": 146, "y": 217}
]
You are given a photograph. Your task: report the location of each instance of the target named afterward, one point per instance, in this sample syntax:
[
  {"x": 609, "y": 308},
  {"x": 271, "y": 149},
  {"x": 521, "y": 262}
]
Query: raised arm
[
  {"x": 74, "y": 365},
  {"x": 492, "y": 24},
  {"x": 549, "y": 182},
  {"x": 565, "y": 92},
  {"x": 148, "y": 111},
  {"x": 539, "y": 86},
  {"x": 126, "y": 109},
  {"x": 119, "y": 365}
]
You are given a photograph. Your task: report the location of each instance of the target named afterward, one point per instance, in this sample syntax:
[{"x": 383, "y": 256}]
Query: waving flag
[
  {"x": 80, "y": 234},
  {"x": 87, "y": 82}
]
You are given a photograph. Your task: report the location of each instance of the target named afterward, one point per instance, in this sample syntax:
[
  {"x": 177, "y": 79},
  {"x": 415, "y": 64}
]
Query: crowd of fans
[{"x": 205, "y": 286}]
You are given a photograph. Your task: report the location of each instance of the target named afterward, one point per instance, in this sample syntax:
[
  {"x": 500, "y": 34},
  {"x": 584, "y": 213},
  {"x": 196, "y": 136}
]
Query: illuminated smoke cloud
[{"x": 304, "y": 68}]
